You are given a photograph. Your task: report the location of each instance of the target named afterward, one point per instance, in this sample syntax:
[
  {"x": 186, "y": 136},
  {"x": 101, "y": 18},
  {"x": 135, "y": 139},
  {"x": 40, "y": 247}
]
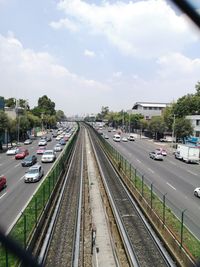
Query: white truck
[{"x": 187, "y": 153}]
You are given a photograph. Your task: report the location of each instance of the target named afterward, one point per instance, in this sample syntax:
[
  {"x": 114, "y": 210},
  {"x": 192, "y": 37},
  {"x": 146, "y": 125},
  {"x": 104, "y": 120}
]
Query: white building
[
  {"x": 195, "y": 120},
  {"x": 148, "y": 109}
]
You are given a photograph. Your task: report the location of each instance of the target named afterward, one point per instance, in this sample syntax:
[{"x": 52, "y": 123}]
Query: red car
[
  {"x": 2, "y": 182},
  {"x": 22, "y": 153},
  {"x": 41, "y": 150}
]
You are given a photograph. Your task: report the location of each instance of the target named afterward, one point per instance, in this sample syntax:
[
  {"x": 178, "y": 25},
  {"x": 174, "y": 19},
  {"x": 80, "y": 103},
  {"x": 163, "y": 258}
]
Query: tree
[
  {"x": 182, "y": 128},
  {"x": 46, "y": 106},
  {"x": 157, "y": 125},
  {"x": 10, "y": 102},
  {"x": 60, "y": 115},
  {"x": 3, "y": 126}
]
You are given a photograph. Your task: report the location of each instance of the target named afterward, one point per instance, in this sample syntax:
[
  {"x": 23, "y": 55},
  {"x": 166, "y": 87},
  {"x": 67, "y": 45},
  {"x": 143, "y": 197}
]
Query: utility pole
[{"x": 173, "y": 130}]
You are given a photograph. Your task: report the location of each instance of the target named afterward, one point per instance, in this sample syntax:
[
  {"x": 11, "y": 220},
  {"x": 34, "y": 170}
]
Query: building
[
  {"x": 148, "y": 109},
  {"x": 195, "y": 120}
]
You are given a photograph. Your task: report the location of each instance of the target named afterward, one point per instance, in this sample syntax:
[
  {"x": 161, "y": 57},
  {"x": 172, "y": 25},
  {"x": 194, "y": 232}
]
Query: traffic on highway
[
  {"x": 22, "y": 169},
  {"x": 177, "y": 180}
]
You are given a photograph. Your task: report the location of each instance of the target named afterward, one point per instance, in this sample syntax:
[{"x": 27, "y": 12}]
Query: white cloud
[
  {"x": 89, "y": 53},
  {"x": 145, "y": 28},
  {"x": 66, "y": 23},
  {"x": 117, "y": 74},
  {"x": 29, "y": 75}
]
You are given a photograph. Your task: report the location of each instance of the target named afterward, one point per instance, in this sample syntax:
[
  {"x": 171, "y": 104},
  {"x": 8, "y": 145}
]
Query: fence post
[
  {"x": 151, "y": 195},
  {"x": 24, "y": 231},
  {"x": 135, "y": 177},
  {"x": 43, "y": 196},
  {"x": 142, "y": 185},
  {"x": 6, "y": 254},
  {"x": 164, "y": 208},
  {"x": 182, "y": 218},
  {"x": 36, "y": 211}
]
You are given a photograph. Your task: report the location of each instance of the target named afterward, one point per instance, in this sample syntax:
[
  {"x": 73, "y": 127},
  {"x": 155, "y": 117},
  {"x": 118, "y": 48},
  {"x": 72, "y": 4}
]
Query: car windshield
[
  {"x": 28, "y": 158},
  {"x": 48, "y": 153},
  {"x": 33, "y": 171}
]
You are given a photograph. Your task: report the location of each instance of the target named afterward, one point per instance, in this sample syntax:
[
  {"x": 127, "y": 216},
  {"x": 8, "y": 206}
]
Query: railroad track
[
  {"x": 61, "y": 245},
  {"x": 142, "y": 246}
]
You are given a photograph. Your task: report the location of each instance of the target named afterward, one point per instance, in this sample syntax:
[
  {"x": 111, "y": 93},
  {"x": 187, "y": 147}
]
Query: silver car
[
  {"x": 33, "y": 174},
  {"x": 156, "y": 155}
]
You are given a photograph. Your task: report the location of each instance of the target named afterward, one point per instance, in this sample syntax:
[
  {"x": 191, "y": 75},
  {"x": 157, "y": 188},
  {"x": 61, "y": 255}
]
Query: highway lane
[
  {"x": 171, "y": 176},
  {"x": 17, "y": 193}
]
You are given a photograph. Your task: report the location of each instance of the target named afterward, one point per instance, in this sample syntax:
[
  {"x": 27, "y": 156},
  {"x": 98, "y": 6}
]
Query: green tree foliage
[
  {"x": 46, "y": 106},
  {"x": 60, "y": 115},
  {"x": 157, "y": 125},
  {"x": 182, "y": 128},
  {"x": 10, "y": 102},
  {"x": 4, "y": 121}
]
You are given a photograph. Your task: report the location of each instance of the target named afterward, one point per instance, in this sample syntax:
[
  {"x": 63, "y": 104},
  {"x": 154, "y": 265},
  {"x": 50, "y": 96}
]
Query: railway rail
[
  {"x": 141, "y": 244},
  {"x": 61, "y": 245}
]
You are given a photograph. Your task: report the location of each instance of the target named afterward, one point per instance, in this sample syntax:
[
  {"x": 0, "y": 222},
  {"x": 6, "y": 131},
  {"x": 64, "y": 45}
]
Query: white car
[
  {"x": 58, "y": 138},
  {"x": 197, "y": 192},
  {"x": 42, "y": 142},
  {"x": 12, "y": 151},
  {"x": 57, "y": 148},
  {"x": 33, "y": 174},
  {"x": 27, "y": 142},
  {"x": 48, "y": 156},
  {"x": 156, "y": 155},
  {"x": 124, "y": 139}
]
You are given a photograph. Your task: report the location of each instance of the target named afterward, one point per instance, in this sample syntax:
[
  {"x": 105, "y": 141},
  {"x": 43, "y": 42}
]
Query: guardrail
[
  {"x": 28, "y": 222},
  {"x": 171, "y": 228}
]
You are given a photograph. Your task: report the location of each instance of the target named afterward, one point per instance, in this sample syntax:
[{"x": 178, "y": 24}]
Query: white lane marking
[
  {"x": 192, "y": 172},
  {"x": 32, "y": 147},
  {"x": 22, "y": 177},
  {"x": 17, "y": 165},
  {"x": 172, "y": 162},
  {"x": 171, "y": 186},
  {"x": 138, "y": 161},
  {"x": 150, "y": 170},
  {"x": 3, "y": 195}
]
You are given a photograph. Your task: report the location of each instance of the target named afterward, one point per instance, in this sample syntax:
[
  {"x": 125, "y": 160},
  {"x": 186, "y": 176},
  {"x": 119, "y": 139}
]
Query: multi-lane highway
[
  {"x": 18, "y": 193},
  {"x": 171, "y": 176}
]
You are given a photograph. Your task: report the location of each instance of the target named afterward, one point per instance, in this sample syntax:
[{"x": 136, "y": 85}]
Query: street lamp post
[{"x": 173, "y": 130}]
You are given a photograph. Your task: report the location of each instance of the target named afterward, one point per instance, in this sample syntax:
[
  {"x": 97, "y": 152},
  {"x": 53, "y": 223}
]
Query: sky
[{"x": 87, "y": 54}]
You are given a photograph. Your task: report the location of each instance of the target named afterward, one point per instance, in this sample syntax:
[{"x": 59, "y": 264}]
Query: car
[
  {"x": 116, "y": 138},
  {"x": 58, "y": 138},
  {"x": 2, "y": 182},
  {"x": 54, "y": 135},
  {"x": 197, "y": 192},
  {"x": 42, "y": 142},
  {"x": 28, "y": 142},
  {"x": 12, "y": 151},
  {"x": 48, "y": 156},
  {"x": 156, "y": 155},
  {"x": 162, "y": 151},
  {"x": 33, "y": 174},
  {"x": 57, "y": 148},
  {"x": 41, "y": 150},
  {"x": 21, "y": 153},
  {"x": 131, "y": 137},
  {"x": 48, "y": 139},
  {"x": 62, "y": 142},
  {"x": 124, "y": 139},
  {"x": 29, "y": 161},
  {"x": 106, "y": 136}
]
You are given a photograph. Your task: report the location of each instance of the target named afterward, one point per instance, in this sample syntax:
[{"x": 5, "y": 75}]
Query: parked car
[
  {"x": 41, "y": 150},
  {"x": 2, "y": 182},
  {"x": 42, "y": 142},
  {"x": 12, "y": 151},
  {"x": 34, "y": 174},
  {"x": 48, "y": 156},
  {"x": 21, "y": 153},
  {"x": 29, "y": 161},
  {"x": 28, "y": 142},
  {"x": 162, "y": 151},
  {"x": 57, "y": 148},
  {"x": 156, "y": 155},
  {"x": 124, "y": 139},
  {"x": 197, "y": 192}
]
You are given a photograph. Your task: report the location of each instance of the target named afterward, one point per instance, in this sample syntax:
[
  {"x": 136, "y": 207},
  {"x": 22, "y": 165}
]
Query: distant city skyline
[{"x": 87, "y": 54}]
